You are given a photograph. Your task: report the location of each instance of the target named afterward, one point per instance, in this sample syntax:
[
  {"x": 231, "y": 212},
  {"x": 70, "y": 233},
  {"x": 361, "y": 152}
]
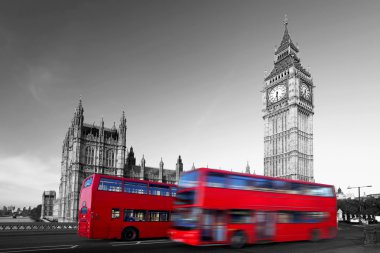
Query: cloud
[
  {"x": 40, "y": 80},
  {"x": 24, "y": 177}
]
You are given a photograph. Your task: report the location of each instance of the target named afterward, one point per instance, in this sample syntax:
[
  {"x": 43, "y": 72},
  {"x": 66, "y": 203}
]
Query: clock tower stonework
[{"x": 288, "y": 109}]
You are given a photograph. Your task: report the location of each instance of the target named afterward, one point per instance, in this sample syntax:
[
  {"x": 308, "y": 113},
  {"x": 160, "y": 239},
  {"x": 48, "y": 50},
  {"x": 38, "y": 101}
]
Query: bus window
[
  {"x": 281, "y": 186},
  {"x": 185, "y": 198},
  {"x": 240, "y": 216},
  {"x": 107, "y": 184},
  {"x": 134, "y": 215},
  {"x": 174, "y": 191},
  {"x": 320, "y": 191},
  {"x": 159, "y": 190},
  {"x": 297, "y": 188},
  {"x": 83, "y": 210},
  {"x": 314, "y": 217},
  {"x": 216, "y": 180},
  {"x": 115, "y": 213},
  {"x": 329, "y": 192},
  {"x": 135, "y": 187},
  {"x": 284, "y": 217},
  {"x": 88, "y": 182},
  {"x": 158, "y": 216},
  {"x": 238, "y": 182},
  {"x": 189, "y": 179},
  {"x": 261, "y": 183},
  {"x": 300, "y": 217},
  {"x": 326, "y": 192}
]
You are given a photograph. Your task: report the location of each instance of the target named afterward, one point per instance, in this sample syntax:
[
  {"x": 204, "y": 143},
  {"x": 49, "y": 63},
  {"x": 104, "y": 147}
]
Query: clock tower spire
[{"x": 288, "y": 110}]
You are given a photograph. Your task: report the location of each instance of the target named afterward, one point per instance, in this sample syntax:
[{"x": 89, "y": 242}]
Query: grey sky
[{"x": 189, "y": 76}]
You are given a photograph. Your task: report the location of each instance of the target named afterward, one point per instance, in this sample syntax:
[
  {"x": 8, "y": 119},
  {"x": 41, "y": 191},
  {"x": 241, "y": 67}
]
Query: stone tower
[
  {"x": 288, "y": 108},
  {"x": 88, "y": 149}
]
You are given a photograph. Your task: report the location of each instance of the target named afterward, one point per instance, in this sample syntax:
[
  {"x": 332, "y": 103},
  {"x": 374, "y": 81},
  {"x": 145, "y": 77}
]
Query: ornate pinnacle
[{"x": 286, "y": 20}]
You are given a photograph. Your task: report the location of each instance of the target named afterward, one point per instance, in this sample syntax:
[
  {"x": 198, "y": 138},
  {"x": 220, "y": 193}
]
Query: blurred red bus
[
  {"x": 220, "y": 207},
  {"x": 127, "y": 209}
]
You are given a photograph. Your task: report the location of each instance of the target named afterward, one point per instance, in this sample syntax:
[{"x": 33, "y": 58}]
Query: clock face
[
  {"x": 277, "y": 93},
  {"x": 305, "y": 92}
]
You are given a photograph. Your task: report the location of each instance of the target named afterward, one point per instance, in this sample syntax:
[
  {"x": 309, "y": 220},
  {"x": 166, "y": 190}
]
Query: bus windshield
[
  {"x": 185, "y": 218},
  {"x": 185, "y": 198}
]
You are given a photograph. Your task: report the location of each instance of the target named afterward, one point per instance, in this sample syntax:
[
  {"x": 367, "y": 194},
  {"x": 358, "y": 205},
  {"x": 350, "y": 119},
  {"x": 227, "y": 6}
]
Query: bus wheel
[
  {"x": 129, "y": 234},
  {"x": 238, "y": 240},
  {"x": 314, "y": 235}
]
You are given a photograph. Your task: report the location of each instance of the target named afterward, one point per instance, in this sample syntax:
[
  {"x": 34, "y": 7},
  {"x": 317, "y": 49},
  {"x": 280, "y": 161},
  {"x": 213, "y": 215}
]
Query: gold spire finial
[{"x": 286, "y": 20}]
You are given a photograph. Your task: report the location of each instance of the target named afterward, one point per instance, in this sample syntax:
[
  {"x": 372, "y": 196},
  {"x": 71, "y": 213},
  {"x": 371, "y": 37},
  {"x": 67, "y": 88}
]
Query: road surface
[{"x": 349, "y": 240}]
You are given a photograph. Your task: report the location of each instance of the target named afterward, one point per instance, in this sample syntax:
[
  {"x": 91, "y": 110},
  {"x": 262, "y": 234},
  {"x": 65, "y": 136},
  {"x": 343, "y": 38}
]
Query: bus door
[
  {"x": 219, "y": 227},
  {"x": 265, "y": 227},
  {"x": 206, "y": 225},
  {"x": 98, "y": 225},
  {"x": 213, "y": 226},
  {"x": 114, "y": 230}
]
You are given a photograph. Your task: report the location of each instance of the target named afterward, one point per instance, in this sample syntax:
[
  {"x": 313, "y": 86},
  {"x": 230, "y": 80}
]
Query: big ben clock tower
[{"x": 288, "y": 115}]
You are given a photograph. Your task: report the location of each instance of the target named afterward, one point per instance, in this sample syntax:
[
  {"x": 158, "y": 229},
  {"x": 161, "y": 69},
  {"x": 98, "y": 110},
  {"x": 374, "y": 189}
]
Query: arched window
[
  {"x": 90, "y": 154},
  {"x": 110, "y": 157}
]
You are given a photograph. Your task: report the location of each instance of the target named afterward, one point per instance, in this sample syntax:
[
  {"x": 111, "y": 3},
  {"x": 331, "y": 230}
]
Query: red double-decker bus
[
  {"x": 220, "y": 207},
  {"x": 127, "y": 209}
]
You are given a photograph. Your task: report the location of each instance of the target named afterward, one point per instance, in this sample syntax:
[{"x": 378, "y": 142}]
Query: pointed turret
[
  {"x": 77, "y": 121},
  {"x": 143, "y": 161},
  {"x": 286, "y": 41},
  {"x": 247, "y": 169},
  {"x": 142, "y": 168},
  {"x": 122, "y": 130},
  {"x": 193, "y": 167},
  {"x": 161, "y": 171},
  {"x": 130, "y": 163},
  {"x": 179, "y": 168},
  {"x": 102, "y": 123},
  {"x": 80, "y": 107},
  {"x": 179, "y": 160},
  {"x": 123, "y": 120},
  {"x": 78, "y": 114},
  {"x": 285, "y": 57}
]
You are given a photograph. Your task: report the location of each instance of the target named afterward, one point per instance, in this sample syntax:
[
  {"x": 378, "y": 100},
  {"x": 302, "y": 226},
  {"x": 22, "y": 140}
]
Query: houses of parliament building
[{"x": 90, "y": 148}]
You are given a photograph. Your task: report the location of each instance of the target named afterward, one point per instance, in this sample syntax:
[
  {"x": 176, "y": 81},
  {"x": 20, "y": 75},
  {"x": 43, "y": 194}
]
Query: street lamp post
[{"x": 360, "y": 209}]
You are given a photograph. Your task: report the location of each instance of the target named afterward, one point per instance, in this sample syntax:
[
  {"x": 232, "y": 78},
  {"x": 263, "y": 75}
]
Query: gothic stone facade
[
  {"x": 90, "y": 148},
  {"x": 288, "y": 116}
]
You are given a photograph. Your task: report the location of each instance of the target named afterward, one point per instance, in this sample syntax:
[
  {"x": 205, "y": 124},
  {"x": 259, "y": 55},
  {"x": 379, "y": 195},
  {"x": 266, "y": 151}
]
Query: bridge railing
[{"x": 37, "y": 226}]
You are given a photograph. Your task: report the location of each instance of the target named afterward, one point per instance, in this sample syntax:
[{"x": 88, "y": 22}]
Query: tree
[
  {"x": 369, "y": 206},
  {"x": 35, "y": 213}
]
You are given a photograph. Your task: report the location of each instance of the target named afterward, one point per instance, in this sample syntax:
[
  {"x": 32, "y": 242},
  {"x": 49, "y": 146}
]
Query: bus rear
[
  {"x": 112, "y": 207},
  {"x": 84, "y": 212}
]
